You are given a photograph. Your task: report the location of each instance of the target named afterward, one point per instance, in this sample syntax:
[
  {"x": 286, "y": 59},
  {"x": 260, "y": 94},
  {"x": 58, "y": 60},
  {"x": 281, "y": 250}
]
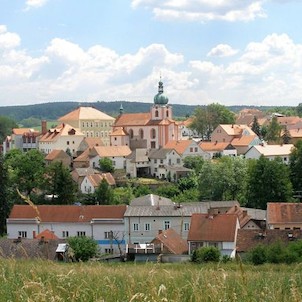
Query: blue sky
[{"x": 231, "y": 52}]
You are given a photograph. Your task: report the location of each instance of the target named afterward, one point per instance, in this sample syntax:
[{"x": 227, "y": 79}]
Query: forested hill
[{"x": 54, "y": 110}]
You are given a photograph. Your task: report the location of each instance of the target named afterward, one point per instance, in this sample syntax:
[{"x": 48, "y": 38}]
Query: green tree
[
  {"x": 286, "y": 137},
  {"x": 168, "y": 191},
  {"x": 273, "y": 131},
  {"x": 4, "y": 209},
  {"x": 295, "y": 164},
  {"x": 58, "y": 182},
  {"x": 299, "y": 110},
  {"x": 26, "y": 169},
  {"x": 207, "y": 118},
  {"x": 6, "y": 126},
  {"x": 141, "y": 190},
  {"x": 123, "y": 195},
  {"x": 258, "y": 255},
  {"x": 189, "y": 195},
  {"x": 106, "y": 165},
  {"x": 193, "y": 162},
  {"x": 268, "y": 180},
  {"x": 84, "y": 247},
  {"x": 104, "y": 193},
  {"x": 256, "y": 126},
  {"x": 187, "y": 183},
  {"x": 206, "y": 254}
]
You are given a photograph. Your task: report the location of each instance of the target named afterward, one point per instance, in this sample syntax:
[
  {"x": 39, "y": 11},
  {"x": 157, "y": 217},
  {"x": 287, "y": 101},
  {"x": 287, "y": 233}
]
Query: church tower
[{"x": 161, "y": 110}]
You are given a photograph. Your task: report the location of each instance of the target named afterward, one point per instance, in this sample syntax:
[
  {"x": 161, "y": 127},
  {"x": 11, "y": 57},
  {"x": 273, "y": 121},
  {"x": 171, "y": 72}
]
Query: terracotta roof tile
[
  {"x": 244, "y": 140},
  {"x": 132, "y": 119},
  {"x": 68, "y": 213},
  {"x": 54, "y": 154},
  {"x": 47, "y": 235},
  {"x": 96, "y": 179},
  {"x": 205, "y": 227},
  {"x": 93, "y": 141},
  {"x": 180, "y": 146},
  {"x": 284, "y": 212},
  {"x": 242, "y": 215},
  {"x": 172, "y": 241},
  {"x": 213, "y": 146},
  {"x": 119, "y": 131},
  {"x": 110, "y": 151},
  {"x": 85, "y": 113},
  {"x": 21, "y": 131},
  {"x": 249, "y": 239}
]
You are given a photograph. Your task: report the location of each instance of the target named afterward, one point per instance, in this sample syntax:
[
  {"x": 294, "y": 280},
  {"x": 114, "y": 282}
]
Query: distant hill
[{"x": 54, "y": 110}]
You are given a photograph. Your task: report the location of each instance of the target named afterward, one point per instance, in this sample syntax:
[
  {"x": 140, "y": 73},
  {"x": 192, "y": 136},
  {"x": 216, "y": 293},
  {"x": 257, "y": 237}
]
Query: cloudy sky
[{"x": 246, "y": 52}]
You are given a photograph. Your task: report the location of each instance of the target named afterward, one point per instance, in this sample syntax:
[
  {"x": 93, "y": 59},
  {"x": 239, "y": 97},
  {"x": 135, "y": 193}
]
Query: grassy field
[{"x": 50, "y": 281}]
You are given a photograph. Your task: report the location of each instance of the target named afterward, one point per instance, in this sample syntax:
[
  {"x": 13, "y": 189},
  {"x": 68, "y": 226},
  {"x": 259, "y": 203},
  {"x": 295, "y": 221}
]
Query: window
[
  {"x": 65, "y": 234},
  {"x": 153, "y": 133},
  {"x": 83, "y": 125},
  {"x": 155, "y": 161},
  {"x": 156, "y": 113},
  {"x": 108, "y": 251},
  {"x": 161, "y": 161},
  {"x": 147, "y": 227},
  {"x": 141, "y": 133},
  {"x": 97, "y": 134},
  {"x": 195, "y": 149},
  {"x": 108, "y": 235},
  {"x": 130, "y": 133},
  {"x": 178, "y": 160},
  {"x": 87, "y": 124},
  {"x": 102, "y": 134},
  {"x": 167, "y": 113},
  {"x": 186, "y": 226},
  {"x": 96, "y": 125},
  {"x": 166, "y": 224},
  {"x": 81, "y": 233},
  {"x": 22, "y": 234},
  {"x": 135, "y": 227},
  {"x": 67, "y": 142},
  {"x": 91, "y": 124},
  {"x": 191, "y": 149},
  {"x": 155, "y": 169}
]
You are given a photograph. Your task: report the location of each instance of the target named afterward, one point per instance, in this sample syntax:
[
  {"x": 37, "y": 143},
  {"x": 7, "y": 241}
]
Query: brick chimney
[{"x": 43, "y": 127}]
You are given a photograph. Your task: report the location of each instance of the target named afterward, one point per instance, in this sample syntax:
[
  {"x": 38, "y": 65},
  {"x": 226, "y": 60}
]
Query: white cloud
[
  {"x": 222, "y": 50},
  {"x": 35, "y": 3},
  {"x": 7, "y": 39},
  {"x": 204, "y": 10},
  {"x": 265, "y": 72}
]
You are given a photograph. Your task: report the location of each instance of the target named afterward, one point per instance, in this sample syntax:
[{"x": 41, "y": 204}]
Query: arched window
[
  {"x": 167, "y": 113},
  {"x": 152, "y": 133},
  {"x": 130, "y": 133},
  {"x": 156, "y": 113},
  {"x": 141, "y": 133}
]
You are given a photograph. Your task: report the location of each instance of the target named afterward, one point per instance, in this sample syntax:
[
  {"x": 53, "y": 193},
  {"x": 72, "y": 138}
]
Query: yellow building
[{"x": 91, "y": 122}]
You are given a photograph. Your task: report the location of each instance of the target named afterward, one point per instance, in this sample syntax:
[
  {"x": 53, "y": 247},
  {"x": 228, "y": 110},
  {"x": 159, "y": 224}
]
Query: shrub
[
  {"x": 84, "y": 247},
  {"x": 206, "y": 254},
  {"x": 276, "y": 252},
  {"x": 258, "y": 255}
]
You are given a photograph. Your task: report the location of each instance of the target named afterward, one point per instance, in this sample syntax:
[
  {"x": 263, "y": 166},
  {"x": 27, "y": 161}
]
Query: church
[{"x": 151, "y": 130}]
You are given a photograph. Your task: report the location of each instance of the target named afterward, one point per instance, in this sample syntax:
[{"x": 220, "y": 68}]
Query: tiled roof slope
[
  {"x": 221, "y": 227},
  {"x": 85, "y": 113},
  {"x": 110, "y": 151},
  {"x": 132, "y": 119},
  {"x": 68, "y": 213},
  {"x": 249, "y": 239},
  {"x": 172, "y": 241},
  {"x": 180, "y": 146},
  {"x": 283, "y": 212}
]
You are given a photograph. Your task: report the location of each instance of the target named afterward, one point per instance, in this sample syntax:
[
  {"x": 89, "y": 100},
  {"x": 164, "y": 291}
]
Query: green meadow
[{"x": 28, "y": 280}]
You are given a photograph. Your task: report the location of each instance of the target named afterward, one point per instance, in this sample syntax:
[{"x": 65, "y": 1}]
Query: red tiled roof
[
  {"x": 242, "y": 215},
  {"x": 205, "y": 227},
  {"x": 213, "y": 146},
  {"x": 244, "y": 140},
  {"x": 172, "y": 241},
  {"x": 56, "y": 154},
  {"x": 119, "y": 131},
  {"x": 93, "y": 141},
  {"x": 96, "y": 179},
  {"x": 21, "y": 131},
  {"x": 179, "y": 146},
  {"x": 132, "y": 119},
  {"x": 109, "y": 151},
  {"x": 85, "y": 113},
  {"x": 284, "y": 212},
  {"x": 47, "y": 235},
  {"x": 68, "y": 213}
]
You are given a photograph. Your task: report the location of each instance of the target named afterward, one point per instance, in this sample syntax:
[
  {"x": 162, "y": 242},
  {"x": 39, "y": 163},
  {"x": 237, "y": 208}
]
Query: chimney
[
  {"x": 44, "y": 127},
  {"x": 244, "y": 213},
  {"x": 160, "y": 231}
]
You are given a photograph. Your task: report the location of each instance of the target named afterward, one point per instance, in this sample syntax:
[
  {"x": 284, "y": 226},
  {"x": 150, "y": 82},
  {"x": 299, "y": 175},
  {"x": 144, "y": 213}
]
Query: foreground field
[{"x": 49, "y": 281}]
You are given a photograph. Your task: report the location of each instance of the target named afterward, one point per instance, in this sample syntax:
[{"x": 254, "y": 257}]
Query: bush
[
  {"x": 258, "y": 255},
  {"x": 84, "y": 247},
  {"x": 206, "y": 254}
]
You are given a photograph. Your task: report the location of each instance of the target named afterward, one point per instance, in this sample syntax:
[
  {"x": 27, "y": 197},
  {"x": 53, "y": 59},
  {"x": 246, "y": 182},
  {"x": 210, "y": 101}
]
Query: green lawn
[{"x": 51, "y": 281}]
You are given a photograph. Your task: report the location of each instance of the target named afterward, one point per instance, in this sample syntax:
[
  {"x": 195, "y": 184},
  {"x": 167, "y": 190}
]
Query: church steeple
[
  {"x": 121, "y": 109},
  {"x": 160, "y": 98}
]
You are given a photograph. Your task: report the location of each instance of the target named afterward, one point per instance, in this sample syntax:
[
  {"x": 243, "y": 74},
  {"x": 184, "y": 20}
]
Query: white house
[
  {"x": 187, "y": 148},
  {"x": 92, "y": 181},
  {"x": 103, "y": 223},
  {"x": 270, "y": 151},
  {"x": 63, "y": 137},
  {"x": 216, "y": 149},
  {"x": 218, "y": 230},
  {"x": 117, "y": 154},
  {"x": 146, "y": 216}
]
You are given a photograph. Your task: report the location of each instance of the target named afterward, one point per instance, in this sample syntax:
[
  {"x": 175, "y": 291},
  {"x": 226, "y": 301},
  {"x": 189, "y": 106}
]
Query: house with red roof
[
  {"x": 91, "y": 182},
  {"x": 218, "y": 230},
  {"x": 216, "y": 149},
  {"x": 58, "y": 156},
  {"x": 284, "y": 215},
  {"x": 103, "y": 223}
]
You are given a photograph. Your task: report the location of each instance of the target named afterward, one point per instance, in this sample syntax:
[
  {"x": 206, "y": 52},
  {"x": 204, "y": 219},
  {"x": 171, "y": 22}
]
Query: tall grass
[{"x": 50, "y": 281}]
